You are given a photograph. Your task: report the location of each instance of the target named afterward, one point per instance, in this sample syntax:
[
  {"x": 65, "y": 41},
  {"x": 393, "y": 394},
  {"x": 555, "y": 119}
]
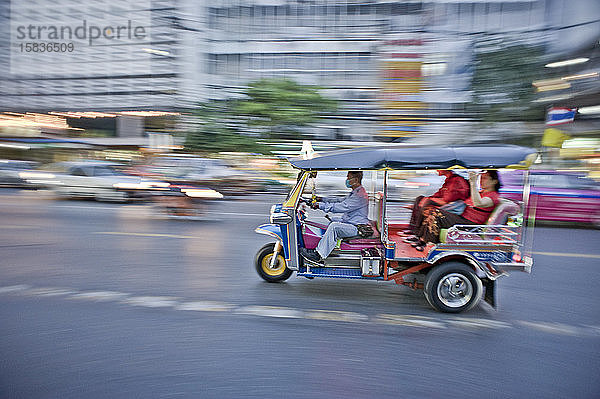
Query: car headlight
[
  {"x": 36, "y": 175},
  {"x": 202, "y": 193},
  {"x": 127, "y": 186},
  {"x": 154, "y": 184}
]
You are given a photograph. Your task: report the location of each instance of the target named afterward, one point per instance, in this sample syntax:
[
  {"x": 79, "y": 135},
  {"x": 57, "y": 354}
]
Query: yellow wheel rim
[{"x": 273, "y": 271}]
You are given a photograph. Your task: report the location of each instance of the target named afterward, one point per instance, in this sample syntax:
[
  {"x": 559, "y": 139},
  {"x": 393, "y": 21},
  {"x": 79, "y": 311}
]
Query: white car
[
  {"x": 10, "y": 172},
  {"x": 93, "y": 179}
]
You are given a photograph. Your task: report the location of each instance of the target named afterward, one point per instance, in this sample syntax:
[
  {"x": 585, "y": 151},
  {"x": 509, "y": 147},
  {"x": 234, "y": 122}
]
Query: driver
[{"x": 354, "y": 209}]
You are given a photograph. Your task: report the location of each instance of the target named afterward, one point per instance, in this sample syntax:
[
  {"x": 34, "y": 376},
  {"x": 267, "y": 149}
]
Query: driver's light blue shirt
[{"x": 355, "y": 206}]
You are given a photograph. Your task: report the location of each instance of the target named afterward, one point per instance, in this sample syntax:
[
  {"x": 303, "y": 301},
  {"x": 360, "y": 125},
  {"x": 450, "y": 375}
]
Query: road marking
[
  {"x": 122, "y": 233},
  {"x": 270, "y": 311},
  {"x": 14, "y": 288},
  {"x": 152, "y": 301},
  {"x": 48, "y": 291},
  {"x": 555, "y": 328},
  {"x": 100, "y": 296},
  {"x": 206, "y": 306},
  {"x": 409, "y": 320},
  {"x": 593, "y": 256},
  {"x": 474, "y": 323},
  {"x": 336, "y": 315}
]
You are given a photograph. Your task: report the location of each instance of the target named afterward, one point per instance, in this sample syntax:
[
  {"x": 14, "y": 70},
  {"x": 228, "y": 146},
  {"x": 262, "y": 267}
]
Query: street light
[
  {"x": 573, "y": 61},
  {"x": 595, "y": 109}
]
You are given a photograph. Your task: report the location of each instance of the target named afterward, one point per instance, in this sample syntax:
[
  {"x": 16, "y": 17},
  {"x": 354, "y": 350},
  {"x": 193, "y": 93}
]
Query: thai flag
[{"x": 558, "y": 116}]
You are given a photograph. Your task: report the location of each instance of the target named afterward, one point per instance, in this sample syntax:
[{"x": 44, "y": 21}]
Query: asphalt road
[{"x": 101, "y": 300}]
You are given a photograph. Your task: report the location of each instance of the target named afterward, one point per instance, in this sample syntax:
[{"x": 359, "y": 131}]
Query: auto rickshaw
[{"x": 454, "y": 274}]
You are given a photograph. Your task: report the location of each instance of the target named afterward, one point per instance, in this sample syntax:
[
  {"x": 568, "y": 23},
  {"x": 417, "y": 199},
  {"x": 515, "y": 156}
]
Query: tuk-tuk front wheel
[
  {"x": 271, "y": 273},
  {"x": 453, "y": 287}
]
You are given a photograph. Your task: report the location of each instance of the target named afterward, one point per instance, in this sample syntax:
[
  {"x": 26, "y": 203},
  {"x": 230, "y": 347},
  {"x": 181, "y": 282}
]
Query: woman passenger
[
  {"x": 455, "y": 188},
  {"x": 479, "y": 206}
]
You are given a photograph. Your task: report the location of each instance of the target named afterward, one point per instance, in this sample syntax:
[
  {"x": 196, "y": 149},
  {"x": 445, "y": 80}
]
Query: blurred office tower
[
  {"x": 397, "y": 67},
  {"x": 116, "y": 55},
  {"x": 108, "y": 75}
]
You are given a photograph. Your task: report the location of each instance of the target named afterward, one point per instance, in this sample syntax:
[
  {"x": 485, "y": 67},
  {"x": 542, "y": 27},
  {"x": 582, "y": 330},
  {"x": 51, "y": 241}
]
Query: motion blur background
[
  {"x": 187, "y": 109},
  {"x": 258, "y": 77}
]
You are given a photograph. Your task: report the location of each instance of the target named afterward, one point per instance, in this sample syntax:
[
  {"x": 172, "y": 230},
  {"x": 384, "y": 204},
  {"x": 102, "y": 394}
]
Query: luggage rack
[{"x": 483, "y": 234}]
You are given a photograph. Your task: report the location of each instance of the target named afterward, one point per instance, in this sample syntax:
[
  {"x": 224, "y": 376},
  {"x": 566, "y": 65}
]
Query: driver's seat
[{"x": 375, "y": 224}]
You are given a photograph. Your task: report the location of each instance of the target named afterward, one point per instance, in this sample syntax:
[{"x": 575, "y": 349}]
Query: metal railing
[{"x": 483, "y": 234}]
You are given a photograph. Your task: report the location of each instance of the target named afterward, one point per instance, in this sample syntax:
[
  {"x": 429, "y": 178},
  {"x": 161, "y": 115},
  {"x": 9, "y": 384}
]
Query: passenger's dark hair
[
  {"x": 357, "y": 173},
  {"x": 494, "y": 175}
]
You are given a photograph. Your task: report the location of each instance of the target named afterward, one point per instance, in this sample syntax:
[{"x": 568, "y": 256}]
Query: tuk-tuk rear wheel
[
  {"x": 453, "y": 287},
  {"x": 279, "y": 272}
]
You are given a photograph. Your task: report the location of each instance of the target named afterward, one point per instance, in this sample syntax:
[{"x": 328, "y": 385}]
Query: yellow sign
[{"x": 554, "y": 138}]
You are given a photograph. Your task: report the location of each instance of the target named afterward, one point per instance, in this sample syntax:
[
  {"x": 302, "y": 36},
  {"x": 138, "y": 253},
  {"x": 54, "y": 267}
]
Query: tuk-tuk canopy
[{"x": 414, "y": 158}]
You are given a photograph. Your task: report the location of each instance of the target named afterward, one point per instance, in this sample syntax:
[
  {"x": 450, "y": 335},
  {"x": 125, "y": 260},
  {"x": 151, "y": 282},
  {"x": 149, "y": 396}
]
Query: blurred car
[
  {"x": 557, "y": 195},
  {"x": 407, "y": 189},
  {"x": 100, "y": 180},
  {"x": 213, "y": 173},
  {"x": 10, "y": 172}
]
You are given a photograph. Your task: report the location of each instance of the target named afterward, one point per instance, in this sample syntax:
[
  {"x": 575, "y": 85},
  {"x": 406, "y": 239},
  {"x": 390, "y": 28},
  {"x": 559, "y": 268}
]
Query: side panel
[{"x": 474, "y": 257}]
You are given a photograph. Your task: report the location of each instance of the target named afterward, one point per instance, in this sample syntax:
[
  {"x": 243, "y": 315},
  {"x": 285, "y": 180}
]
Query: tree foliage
[
  {"x": 282, "y": 105},
  {"x": 216, "y": 129},
  {"x": 502, "y": 83},
  {"x": 277, "y": 105}
]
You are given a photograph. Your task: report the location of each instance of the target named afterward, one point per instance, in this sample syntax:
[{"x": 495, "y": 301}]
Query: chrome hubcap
[{"x": 455, "y": 290}]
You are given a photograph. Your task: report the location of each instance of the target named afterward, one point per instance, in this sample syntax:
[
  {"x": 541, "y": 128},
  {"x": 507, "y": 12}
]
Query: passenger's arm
[{"x": 478, "y": 200}]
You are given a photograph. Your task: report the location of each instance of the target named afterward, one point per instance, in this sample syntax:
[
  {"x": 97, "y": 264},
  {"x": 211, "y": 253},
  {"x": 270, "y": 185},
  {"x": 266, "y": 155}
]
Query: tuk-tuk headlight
[{"x": 280, "y": 218}]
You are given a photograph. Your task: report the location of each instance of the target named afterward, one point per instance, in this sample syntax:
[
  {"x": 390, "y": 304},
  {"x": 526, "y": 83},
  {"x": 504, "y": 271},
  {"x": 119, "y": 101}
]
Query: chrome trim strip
[{"x": 518, "y": 267}]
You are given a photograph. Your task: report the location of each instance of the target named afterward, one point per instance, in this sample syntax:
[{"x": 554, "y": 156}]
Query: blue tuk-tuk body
[{"x": 454, "y": 274}]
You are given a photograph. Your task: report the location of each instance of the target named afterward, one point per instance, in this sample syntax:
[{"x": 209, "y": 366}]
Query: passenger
[
  {"x": 478, "y": 209},
  {"x": 455, "y": 188},
  {"x": 354, "y": 208}
]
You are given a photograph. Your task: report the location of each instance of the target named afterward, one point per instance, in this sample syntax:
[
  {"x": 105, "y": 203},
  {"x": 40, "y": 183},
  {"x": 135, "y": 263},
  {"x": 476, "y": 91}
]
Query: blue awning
[{"x": 414, "y": 158}]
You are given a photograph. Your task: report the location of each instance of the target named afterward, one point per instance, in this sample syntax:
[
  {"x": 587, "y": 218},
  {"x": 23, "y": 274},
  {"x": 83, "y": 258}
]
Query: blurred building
[{"x": 398, "y": 67}]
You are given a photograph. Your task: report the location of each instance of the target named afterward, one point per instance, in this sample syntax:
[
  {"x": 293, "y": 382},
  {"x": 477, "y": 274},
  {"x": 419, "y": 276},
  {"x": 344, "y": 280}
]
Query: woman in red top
[
  {"x": 455, "y": 188},
  {"x": 479, "y": 207}
]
